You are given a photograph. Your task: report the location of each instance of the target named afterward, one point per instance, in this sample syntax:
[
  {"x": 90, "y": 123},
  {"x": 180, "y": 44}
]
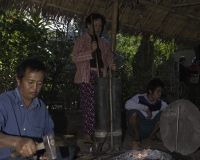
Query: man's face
[
  {"x": 30, "y": 85},
  {"x": 156, "y": 94}
]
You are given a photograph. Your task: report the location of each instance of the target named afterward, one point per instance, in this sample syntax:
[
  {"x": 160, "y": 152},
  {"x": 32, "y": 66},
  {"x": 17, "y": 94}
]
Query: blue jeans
[{"x": 63, "y": 153}]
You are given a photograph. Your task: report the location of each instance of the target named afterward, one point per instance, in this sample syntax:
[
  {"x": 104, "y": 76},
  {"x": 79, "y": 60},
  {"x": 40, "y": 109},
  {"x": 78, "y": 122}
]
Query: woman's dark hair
[
  {"x": 154, "y": 83},
  {"x": 95, "y": 16},
  {"x": 31, "y": 63}
]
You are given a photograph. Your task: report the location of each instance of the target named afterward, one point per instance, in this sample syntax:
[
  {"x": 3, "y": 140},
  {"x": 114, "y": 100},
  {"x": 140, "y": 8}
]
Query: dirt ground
[{"x": 68, "y": 130}]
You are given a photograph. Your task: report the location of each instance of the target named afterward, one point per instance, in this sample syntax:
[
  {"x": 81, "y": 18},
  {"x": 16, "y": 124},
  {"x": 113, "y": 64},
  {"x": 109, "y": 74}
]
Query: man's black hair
[
  {"x": 182, "y": 58},
  {"x": 154, "y": 83},
  {"x": 33, "y": 64}
]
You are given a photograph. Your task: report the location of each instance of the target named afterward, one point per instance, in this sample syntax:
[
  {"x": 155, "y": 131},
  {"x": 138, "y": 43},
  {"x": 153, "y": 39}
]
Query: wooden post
[
  {"x": 113, "y": 45},
  {"x": 114, "y": 25}
]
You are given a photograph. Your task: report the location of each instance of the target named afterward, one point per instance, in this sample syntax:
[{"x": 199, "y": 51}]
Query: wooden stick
[
  {"x": 93, "y": 39},
  {"x": 113, "y": 46},
  {"x": 111, "y": 111},
  {"x": 186, "y": 4}
]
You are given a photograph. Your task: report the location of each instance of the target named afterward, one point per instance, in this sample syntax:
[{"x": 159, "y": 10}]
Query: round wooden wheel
[{"x": 180, "y": 127}]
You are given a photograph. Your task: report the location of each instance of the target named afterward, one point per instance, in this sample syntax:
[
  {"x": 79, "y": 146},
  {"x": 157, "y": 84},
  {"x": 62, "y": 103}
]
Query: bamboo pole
[
  {"x": 93, "y": 39},
  {"x": 113, "y": 45},
  {"x": 186, "y": 4},
  {"x": 114, "y": 25}
]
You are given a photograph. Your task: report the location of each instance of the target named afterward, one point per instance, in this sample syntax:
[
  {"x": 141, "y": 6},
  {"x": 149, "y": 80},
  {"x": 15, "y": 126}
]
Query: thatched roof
[{"x": 178, "y": 19}]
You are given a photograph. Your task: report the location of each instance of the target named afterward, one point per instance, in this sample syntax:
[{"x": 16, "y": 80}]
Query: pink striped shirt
[{"x": 82, "y": 55}]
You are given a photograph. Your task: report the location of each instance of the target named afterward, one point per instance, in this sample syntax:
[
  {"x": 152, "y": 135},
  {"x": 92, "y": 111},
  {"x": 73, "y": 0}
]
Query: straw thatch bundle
[{"x": 178, "y": 19}]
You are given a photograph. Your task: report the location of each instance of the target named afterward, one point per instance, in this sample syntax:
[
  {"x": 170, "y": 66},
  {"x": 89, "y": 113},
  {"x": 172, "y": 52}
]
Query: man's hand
[
  {"x": 26, "y": 147},
  {"x": 149, "y": 113}
]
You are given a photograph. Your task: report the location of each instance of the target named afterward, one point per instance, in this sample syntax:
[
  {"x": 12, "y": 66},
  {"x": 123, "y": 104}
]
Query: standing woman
[{"x": 86, "y": 51}]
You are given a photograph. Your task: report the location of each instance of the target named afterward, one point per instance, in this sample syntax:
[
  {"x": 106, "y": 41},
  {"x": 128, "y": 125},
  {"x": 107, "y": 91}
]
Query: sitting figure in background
[{"x": 144, "y": 112}]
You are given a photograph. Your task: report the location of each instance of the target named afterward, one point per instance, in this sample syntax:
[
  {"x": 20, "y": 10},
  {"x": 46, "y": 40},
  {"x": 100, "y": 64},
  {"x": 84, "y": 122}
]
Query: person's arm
[
  {"x": 163, "y": 105},
  {"x": 107, "y": 54},
  {"x": 133, "y": 103},
  {"x": 25, "y": 146},
  {"x": 82, "y": 50}
]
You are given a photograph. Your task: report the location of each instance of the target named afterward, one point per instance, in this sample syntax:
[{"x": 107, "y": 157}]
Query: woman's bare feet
[
  {"x": 136, "y": 145},
  {"x": 88, "y": 140}
]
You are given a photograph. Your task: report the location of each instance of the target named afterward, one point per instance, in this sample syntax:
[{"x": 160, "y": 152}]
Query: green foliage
[
  {"x": 21, "y": 37},
  {"x": 126, "y": 48},
  {"x": 127, "y": 44},
  {"x": 162, "y": 50},
  {"x": 27, "y": 35}
]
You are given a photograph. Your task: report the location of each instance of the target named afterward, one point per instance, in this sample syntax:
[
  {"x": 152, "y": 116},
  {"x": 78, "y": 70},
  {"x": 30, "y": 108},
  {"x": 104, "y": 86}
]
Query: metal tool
[{"x": 48, "y": 144}]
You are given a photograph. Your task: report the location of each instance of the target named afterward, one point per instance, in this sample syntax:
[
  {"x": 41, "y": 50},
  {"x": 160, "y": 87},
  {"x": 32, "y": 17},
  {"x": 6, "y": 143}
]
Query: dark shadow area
[
  {"x": 60, "y": 120},
  {"x": 124, "y": 124},
  {"x": 178, "y": 156}
]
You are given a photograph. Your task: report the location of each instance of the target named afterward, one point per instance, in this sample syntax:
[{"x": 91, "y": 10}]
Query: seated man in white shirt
[{"x": 143, "y": 113}]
